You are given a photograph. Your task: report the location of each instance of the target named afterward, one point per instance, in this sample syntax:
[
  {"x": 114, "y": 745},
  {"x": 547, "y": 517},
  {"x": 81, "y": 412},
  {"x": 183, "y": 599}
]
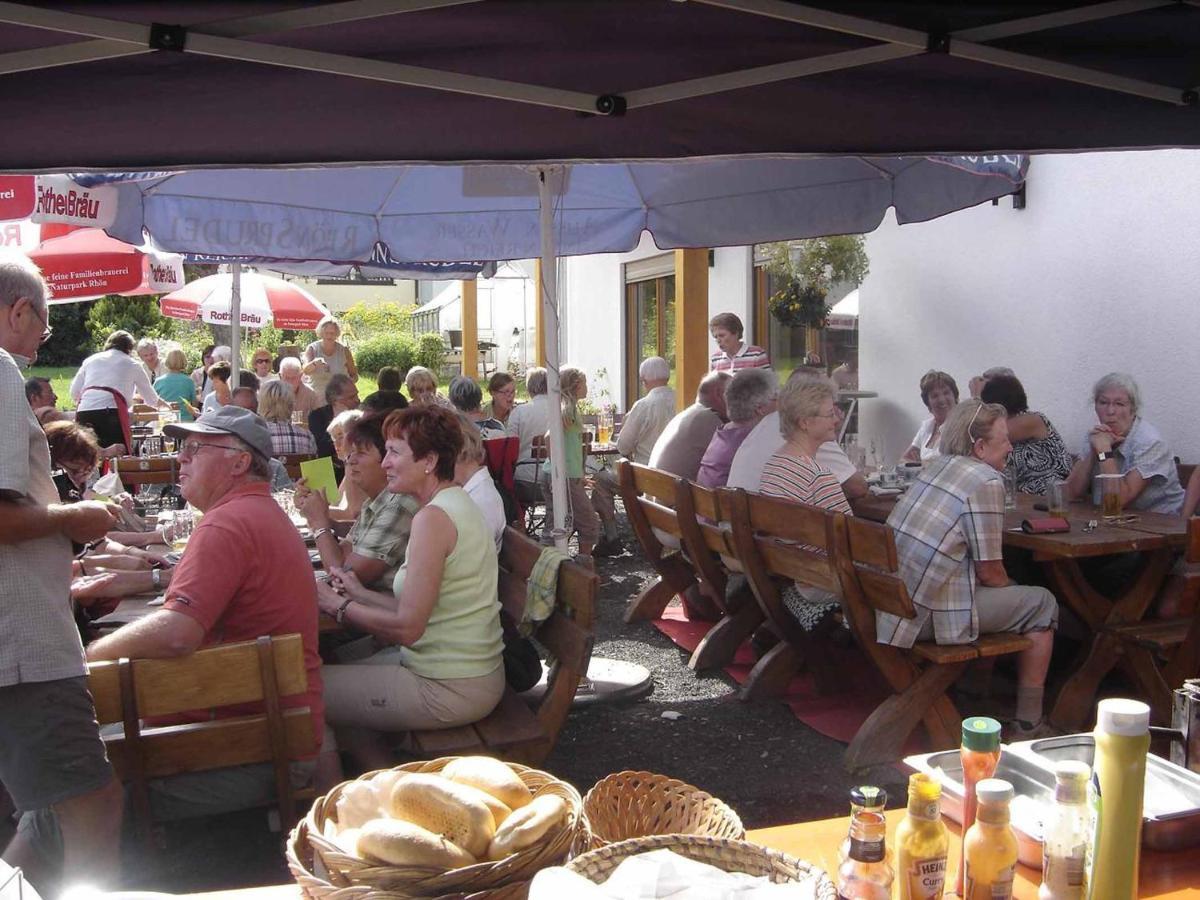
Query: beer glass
[
  {"x": 1010, "y": 489},
  {"x": 604, "y": 427},
  {"x": 1110, "y": 494},
  {"x": 1056, "y": 498}
]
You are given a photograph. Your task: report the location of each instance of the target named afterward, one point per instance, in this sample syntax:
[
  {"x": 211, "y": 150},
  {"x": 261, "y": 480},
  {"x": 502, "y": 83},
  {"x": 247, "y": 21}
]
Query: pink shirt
[{"x": 246, "y": 573}]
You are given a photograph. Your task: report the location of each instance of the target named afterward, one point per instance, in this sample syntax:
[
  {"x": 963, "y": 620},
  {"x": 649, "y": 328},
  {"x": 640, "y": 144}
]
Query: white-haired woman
[
  {"x": 327, "y": 356},
  {"x": 422, "y": 388},
  {"x": 275, "y": 404},
  {"x": 351, "y": 498},
  {"x": 949, "y": 529},
  {"x": 807, "y": 419},
  {"x": 1123, "y": 443},
  {"x": 471, "y": 473}
]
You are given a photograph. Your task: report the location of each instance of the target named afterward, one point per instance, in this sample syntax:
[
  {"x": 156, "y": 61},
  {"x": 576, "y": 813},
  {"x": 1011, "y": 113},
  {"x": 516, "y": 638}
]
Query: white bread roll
[
  {"x": 527, "y": 825},
  {"x": 490, "y": 776},
  {"x": 445, "y": 808},
  {"x": 400, "y": 843}
]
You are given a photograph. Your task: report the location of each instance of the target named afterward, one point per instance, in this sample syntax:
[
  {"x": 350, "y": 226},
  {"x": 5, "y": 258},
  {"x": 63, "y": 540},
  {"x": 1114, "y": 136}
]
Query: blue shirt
[{"x": 1144, "y": 451}]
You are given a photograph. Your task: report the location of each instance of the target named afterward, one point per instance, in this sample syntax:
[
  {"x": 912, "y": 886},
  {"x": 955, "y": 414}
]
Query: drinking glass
[
  {"x": 298, "y": 417},
  {"x": 604, "y": 427},
  {"x": 1056, "y": 498},
  {"x": 180, "y": 529},
  {"x": 1010, "y": 489},
  {"x": 1110, "y": 494}
]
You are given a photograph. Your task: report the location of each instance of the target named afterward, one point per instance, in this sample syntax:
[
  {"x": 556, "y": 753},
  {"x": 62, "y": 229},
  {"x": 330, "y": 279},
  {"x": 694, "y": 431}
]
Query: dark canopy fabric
[{"x": 930, "y": 78}]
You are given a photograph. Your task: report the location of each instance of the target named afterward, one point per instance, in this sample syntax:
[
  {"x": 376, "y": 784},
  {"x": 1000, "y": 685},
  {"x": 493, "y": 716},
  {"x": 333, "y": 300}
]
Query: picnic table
[
  {"x": 1063, "y": 557},
  {"x": 1162, "y": 874}
]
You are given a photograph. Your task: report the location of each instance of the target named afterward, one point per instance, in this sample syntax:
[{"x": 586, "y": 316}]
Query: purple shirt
[{"x": 714, "y": 465}]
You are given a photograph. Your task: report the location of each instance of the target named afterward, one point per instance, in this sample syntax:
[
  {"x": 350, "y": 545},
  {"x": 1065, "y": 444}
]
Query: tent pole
[
  {"x": 548, "y": 337},
  {"x": 235, "y": 320}
]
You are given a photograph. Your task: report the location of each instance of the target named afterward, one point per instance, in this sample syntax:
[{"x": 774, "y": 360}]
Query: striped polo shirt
[{"x": 748, "y": 357}]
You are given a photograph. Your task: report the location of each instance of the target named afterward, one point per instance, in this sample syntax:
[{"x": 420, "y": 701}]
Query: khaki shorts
[
  {"x": 1015, "y": 609},
  {"x": 50, "y": 747}
]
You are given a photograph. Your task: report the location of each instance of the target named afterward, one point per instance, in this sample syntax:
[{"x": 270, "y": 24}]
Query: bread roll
[
  {"x": 499, "y": 810},
  {"x": 490, "y": 776},
  {"x": 445, "y": 808},
  {"x": 384, "y": 783},
  {"x": 527, "y": 825},
  {"x": 400, "y": 843},
  {"x": 347, "y": 841},
  {"x": 358, "y": 803}
]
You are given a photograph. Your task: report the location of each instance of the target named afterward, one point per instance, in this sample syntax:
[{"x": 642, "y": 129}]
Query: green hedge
[
  {"x": 431, "y": 353},
  {"x": 397, "y": 350}
]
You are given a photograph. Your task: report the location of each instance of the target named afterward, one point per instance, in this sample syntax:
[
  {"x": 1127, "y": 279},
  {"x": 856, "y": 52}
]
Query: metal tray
[
  {"x": 1171, "y": 817},
  {"x": 1171, "y": 805}
]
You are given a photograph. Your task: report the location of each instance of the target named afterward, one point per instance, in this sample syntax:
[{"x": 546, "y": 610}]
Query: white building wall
[
  {"x": 1099, "y": 272},
  {"x": 592, "y": 290}
]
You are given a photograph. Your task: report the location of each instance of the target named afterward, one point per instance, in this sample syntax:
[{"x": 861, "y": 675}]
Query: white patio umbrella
[{"x": 510, "y": 211}]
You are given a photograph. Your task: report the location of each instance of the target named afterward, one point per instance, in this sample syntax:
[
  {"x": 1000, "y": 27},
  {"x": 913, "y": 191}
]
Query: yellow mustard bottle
[
  {"x": 990, "y": 850},
  {"x": 1116, "y": 793},
  {"x": 922, "y": 842}
]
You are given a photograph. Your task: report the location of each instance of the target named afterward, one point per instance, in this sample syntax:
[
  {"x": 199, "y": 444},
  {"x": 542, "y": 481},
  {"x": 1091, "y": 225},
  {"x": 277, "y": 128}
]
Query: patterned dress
[{"x": 1038, "y": 461}]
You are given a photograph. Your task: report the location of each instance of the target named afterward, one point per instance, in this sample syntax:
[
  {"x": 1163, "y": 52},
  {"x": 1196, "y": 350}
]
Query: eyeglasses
[
  {"x": 45, "y": 320},
  {"x": 191, "y": 448}
]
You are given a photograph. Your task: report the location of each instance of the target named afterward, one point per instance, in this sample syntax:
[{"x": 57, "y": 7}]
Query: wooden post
[
  {"x": 691, "y": 323},
  {"x": 539, "y": 342},
  {"x": 470, "y": 328}
]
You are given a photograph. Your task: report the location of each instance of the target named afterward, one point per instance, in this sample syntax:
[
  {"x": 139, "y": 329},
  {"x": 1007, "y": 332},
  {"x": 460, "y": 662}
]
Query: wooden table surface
[{"x": 1162, "y": 874}]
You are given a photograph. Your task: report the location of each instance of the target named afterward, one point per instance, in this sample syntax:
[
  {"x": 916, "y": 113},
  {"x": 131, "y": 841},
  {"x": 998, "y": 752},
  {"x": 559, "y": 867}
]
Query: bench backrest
[
  {"x": 647, "y": 494},
  {"x": 291, "y": 462},
  {"x": 134, "y": 470},
  {"x": 871, "y": 579},
  {"x": 779, "y": 539},
  {"x": 259, "y": 672},
  {"x": 567, "y": 634},
  {"x": 703, "y": 532}
]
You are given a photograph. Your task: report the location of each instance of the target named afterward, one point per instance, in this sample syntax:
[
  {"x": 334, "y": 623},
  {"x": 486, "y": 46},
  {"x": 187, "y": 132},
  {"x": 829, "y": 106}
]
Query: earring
[{"x": 427, "y": 471}]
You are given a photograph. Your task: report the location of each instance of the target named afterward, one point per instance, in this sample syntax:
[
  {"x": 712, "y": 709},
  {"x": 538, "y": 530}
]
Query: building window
[
  {"x": 649, "y": 328},
  {"x": 789, "y": 347}
]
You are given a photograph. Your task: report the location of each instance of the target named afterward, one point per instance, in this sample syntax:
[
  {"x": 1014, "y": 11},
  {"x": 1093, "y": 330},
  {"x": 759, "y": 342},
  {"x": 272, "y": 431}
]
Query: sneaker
[
  {"x": 608, "y": 547},
  {"x": 1014, "y": 730}
]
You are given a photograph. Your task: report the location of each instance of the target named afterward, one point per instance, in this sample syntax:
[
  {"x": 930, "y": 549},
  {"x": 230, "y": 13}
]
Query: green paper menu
[{"x": 318, "y": 475}]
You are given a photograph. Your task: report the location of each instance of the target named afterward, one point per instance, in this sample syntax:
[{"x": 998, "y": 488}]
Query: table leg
[{"x": 1073, "y": 706}]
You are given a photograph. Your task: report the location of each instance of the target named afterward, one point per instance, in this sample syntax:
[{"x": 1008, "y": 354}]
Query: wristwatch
[
  {"x": 1103, "y": 455},
  {"x": 156, "y": 578},
  {"x": 320, "y": 531}
]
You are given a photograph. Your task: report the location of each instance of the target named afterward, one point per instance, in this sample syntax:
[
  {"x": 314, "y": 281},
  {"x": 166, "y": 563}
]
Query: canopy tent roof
[{"x": 273, "y": 82}]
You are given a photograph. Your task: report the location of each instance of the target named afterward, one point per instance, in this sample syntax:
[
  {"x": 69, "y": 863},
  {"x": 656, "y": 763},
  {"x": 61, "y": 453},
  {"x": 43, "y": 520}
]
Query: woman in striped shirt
[{"x": 808, "y": 418}]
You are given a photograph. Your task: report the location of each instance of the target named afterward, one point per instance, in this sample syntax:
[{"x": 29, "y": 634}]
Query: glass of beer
[
  {"x": 604, "y": 427},
  {"x": 181, "y": 529},
  {"x": 1110, "y": 494},
  {"x": 1056, "y": 498}
]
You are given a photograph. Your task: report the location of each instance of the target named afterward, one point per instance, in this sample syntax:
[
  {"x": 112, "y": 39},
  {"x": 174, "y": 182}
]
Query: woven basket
[
  {"x": 729, "y": 856},
  {"x": 325, "y": 872},
  {"x": 638, "y": 804}
]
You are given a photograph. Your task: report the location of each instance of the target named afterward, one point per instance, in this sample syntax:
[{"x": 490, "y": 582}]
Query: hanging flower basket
[{"x": 799, "y": 305}]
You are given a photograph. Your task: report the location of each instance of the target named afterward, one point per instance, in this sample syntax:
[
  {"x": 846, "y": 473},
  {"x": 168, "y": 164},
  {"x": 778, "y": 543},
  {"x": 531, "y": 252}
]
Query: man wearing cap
[{"x": 245, "y": 573}]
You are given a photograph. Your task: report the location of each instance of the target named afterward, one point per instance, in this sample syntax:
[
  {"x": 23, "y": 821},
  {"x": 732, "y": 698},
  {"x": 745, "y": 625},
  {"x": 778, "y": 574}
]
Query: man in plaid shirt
[{"x": 949, "y": 528}]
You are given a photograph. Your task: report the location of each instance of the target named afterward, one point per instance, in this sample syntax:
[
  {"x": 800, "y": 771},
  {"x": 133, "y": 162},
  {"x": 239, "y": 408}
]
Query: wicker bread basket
[
  {"x": 637, "y": 804},
  {"x": 730, "y": 856},
  {"x": 325, "y": 872}
]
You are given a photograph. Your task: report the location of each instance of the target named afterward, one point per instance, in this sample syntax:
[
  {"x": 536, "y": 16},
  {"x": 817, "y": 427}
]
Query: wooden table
[
  {"x": 1162, "y": 874},
  {"x": 1157, "y": 536}
]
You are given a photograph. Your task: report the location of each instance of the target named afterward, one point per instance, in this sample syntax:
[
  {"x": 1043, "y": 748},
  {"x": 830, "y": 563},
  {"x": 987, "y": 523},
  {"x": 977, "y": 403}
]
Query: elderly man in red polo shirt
[{"x": 245, "y": 573}]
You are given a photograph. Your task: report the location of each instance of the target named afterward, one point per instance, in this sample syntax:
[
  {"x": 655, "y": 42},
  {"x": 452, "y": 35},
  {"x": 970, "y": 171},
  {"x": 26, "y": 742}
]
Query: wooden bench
[
  {"x": 708, "y": 541},
  {"x": 517, "y": 730},
  {"x": 291, "y": 463},
  {"x": 780, "y": 542},
  {"x": 1165, "y": 651},
  {"x": 263, "y": 671},
  {"x": 647, "y": 494},
  {"x": 918, "y": 677}
]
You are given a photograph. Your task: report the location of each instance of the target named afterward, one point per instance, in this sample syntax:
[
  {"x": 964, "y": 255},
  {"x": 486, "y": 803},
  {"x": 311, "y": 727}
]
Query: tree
[
  {"x": 71, "y": 341},
  {"x": 137, "y": 315}
]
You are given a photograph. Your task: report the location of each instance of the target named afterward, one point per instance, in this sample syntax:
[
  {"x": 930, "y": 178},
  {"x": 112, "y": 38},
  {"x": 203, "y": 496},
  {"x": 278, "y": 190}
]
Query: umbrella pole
[
  {"x": 549, "y": 339},
  {"x": 235, "y": 319}
]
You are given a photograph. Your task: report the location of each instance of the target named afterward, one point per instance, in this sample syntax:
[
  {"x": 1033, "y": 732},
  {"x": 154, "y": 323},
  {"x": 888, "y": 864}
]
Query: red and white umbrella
[
  {"x": 265, "y": 300},
  {"x": 82, "y": 263}
]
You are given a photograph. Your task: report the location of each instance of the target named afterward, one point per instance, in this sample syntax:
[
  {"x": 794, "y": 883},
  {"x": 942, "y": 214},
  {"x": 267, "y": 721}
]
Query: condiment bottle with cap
[
  {"x": 865, "y": 874},
  {"x": 1117, "y": 794},
  {"x": 990, "y": 848},
  {"x": 1065, "y": 835},
  {"x": 863, "y": 798},
  {"x": 980, "y": 754},
  {"x": 922, "y": 842}
]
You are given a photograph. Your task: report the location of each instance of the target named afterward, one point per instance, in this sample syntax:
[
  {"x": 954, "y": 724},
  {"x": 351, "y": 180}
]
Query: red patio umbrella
[
  {"x": 264, "y": 300},
  {"x": 81, "y": 263}
]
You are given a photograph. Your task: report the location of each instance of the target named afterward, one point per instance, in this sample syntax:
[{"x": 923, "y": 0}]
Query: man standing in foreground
[
  {"x": 245, "y": 573},
  {"x": 51, "y": 758}
]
